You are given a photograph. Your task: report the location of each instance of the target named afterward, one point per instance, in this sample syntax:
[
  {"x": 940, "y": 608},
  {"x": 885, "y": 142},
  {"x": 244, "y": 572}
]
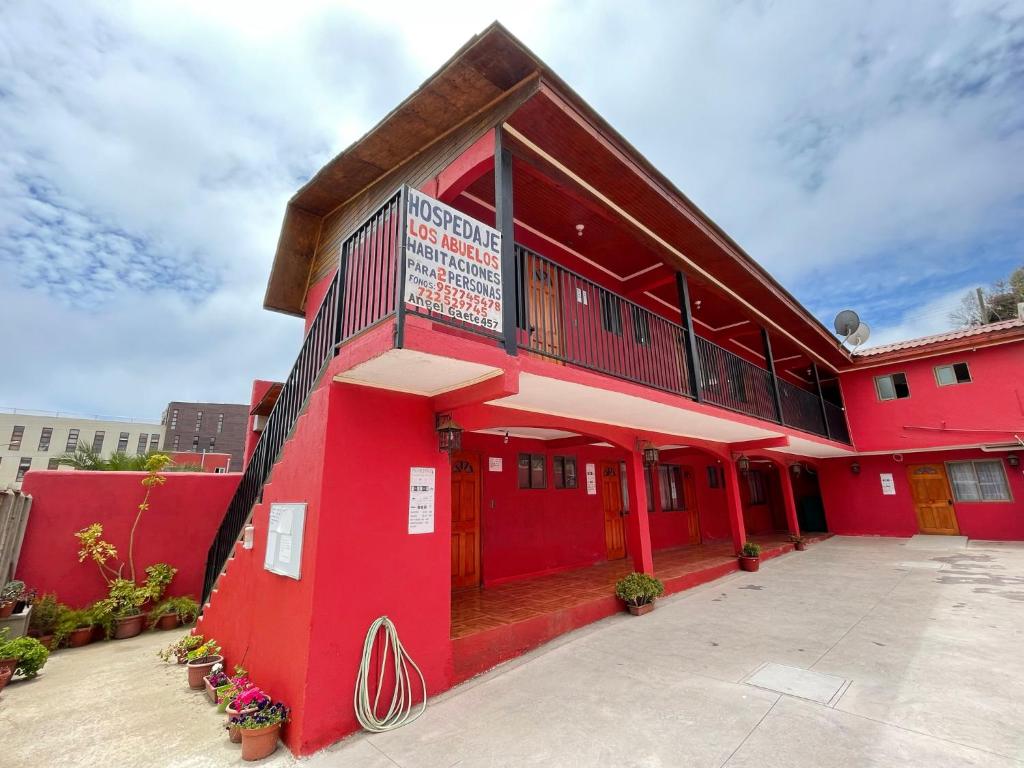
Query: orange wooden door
[
  {"x": 933, "y": 501},
  {"x": 545, "y": 309},
  {"x": 611, "y": 496},
  {"x": 690, "y": 505},
  {"x": 465, "y": 519}
]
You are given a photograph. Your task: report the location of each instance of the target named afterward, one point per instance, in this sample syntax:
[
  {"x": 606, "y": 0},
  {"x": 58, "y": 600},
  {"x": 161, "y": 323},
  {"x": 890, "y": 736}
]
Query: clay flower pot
[
  {"x": 234, "y": 732},
  {"x": 211, "y": 692},
  {"x": 8, "y": 664},
  {"x": 800, "y": 545},
  {"x": 168, "y": 621},
  {"x": 129, "y": 626},
  {"x": 81, "y": 636},
  {"x": 749, "y": 563},
  {"x": 640, "y": 610},
  {"x": 5, "y": 677},
  {"x": 47, "y": 641},
  {"x": 200, "y": 668},
  {"x": 258, "y": 743},
  {"x": 6, "y": 609}
]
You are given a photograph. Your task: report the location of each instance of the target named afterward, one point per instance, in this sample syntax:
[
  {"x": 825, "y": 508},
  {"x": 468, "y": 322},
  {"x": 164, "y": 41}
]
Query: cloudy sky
[{"x": 870, "y": 156}]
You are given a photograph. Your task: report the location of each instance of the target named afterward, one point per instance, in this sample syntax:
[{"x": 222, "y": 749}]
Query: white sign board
[
  {"x": 494, "y": 463},
  {"x": 421, "y": 500},
  {"x": 284, "y": 539},
  {"x": 591, "y": 480},
  {"x": 452, "y": 263},
  {"x": 888, "y": 485}
]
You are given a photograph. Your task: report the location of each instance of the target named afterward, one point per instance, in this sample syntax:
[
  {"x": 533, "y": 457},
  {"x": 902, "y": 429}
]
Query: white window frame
[
  {"x": 980, "y": 499},
  {"x": 952, "y": 368},
  {"x": 895, "y": 396}
]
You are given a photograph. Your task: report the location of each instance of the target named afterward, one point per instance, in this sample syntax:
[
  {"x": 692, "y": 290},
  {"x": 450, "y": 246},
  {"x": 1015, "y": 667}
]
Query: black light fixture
[
  {"x": 649, "y": 455},
  {"x": 449, "y": 434},
  {"x": 1013, "y": 460},
  {"x": 855, "y": 468},
  {"x": 743, "y": 464}
]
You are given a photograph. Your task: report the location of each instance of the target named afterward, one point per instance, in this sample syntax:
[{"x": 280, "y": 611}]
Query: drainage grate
[{"x": 802, "y": 683}]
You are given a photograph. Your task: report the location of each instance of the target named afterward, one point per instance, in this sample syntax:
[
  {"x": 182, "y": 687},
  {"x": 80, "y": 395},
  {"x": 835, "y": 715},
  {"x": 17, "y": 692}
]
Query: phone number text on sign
[{"x": 452, "y": 263}]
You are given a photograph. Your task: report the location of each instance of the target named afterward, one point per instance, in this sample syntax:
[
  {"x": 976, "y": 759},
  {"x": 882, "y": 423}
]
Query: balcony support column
[
  {"x": 821, "y": 400},
  {"x": 696, "y": 378},
  {"x": 638, "y": 527},
  {"x": 769, "y": 361},
  {"x": 505, "y": 223},
  {"x": 789, "y": 499},
  {"x": 734, "y": 505}
]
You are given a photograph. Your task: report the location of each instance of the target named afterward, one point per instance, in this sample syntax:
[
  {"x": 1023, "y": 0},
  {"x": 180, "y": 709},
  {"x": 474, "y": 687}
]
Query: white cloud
[{"x": 865, "y": 154}]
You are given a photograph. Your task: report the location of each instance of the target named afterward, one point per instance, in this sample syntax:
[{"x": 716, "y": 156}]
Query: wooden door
[
  {"x": 690, "y": 505},
  {"x": 933, "y": 501},
  {"x": 465, "y": 519},
  {"x": 611, "y": 496},
  {"x": 544, "y": 316}
]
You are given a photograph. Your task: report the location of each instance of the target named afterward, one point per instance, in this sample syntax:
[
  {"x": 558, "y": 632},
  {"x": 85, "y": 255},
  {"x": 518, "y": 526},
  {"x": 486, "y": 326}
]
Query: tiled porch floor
[{"x": 476, "y": 610}]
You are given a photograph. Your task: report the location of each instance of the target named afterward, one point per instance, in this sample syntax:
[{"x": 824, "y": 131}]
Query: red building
[{"x": 531, "y": 366}]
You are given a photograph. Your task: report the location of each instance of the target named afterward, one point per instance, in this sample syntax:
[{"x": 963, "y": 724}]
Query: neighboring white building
[{"x": 34, "y": 439}]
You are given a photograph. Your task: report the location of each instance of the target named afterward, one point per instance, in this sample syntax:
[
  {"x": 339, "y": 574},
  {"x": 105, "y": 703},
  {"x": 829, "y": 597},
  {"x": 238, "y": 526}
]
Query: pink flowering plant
[
  {"x": 249, "y": 698},
  {"x": 265, "y": 714}
]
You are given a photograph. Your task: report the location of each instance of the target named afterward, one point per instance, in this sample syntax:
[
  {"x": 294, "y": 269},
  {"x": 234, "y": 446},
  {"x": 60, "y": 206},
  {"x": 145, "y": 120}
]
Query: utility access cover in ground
[{"x": 802, "y": 683}]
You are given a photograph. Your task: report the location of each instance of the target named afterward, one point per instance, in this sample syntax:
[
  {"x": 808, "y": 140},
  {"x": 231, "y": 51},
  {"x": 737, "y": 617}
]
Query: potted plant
[
  {"x": 74, "y": 628},
  {"x": 180, "y": 649},
  {"x": 260, "y": 730},
  {"x": 200, "y": 661},
  {"x": 243, "y": 704},
  {"x": 10, "y": 594},
  {"x": 216, "y": 682},
  {"x": 5, "y": 677},
  {"x": 28, "y": 597},
  {"x": 172, "y": 612},
  {"x": 120, "y": 613},
  {"x": 46, "y": 613},
  {"x": 799, "y": 543},
  {"x": 639, "y": 591},
  {"x": 750, "y": 557},
  {"x": 22, "y": 655}
]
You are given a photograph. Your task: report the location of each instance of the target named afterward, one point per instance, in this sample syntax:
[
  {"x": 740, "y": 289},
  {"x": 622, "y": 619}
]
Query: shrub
[
  {"x": 46, "y": 614},
  {"x": 639, "y": 589},
  {"x": 184, "y": 607},
  {"x": 750, "y": 549},
  {"x": 179, "y": 649},
  {"x": 208, "y": 648},
  {"x": 71, "y": 620},
  {"x": 158, "y": 576},
  {"x": 125, "y": 599},
  {"x": 12, "y": 591},
  {"x": 30, "y": 653}
]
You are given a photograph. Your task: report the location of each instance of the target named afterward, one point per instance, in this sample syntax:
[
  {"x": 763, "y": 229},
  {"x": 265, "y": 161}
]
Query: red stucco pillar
[
  {"x": 734, "y": 505},
  {"x": 638, "y": 530},
  {"x": 789, "y": 500}
]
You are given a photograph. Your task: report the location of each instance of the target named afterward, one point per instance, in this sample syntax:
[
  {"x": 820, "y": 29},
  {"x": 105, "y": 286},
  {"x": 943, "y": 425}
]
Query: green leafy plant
[
  {"x": 30, "y": 653},
  {"x": 12, "y": 591},
  {"x": 639, "y": 589},
  {"x": 750, "y": 549},
  {"x": 208, "y": 648},
  {"x": 70, "y": 620},
  {"x": 125, "y": 599},
  {"x": 265, "y": 714},
  {"x": 184, "y": 607},
  {"x": 179, "y": 649},
  {"x": 46, "y": 614},
  {"x": 157, "y": 578}
]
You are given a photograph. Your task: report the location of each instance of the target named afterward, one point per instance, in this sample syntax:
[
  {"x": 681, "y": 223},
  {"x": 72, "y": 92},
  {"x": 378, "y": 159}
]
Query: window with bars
[
  {"x": 154, "y": 441},
  {"x": 641, "y": 326},
  {"x": 670, "y": 488},
  {"x": 143, "y": 439},
  {"x": 44, "y": 438},
  {"x": 97, "y": 441},
  {"x": 983, "y": 480},
  {"x": 199, "y": 420},
  {"x": 532, "y": 471},
  {"x": 564, "y": 468},
  {"x": 755, "y": 484},
  {"x": 72, "y": 443},
  {"x": 649, "y": 483},
  {"x": 611, "y": 313},
  {"x": 195, "y": 444},
  {"x": 16, "y": 434},
  {"x": 122, "y": 442},
  {"x": 23, "y": 467}
]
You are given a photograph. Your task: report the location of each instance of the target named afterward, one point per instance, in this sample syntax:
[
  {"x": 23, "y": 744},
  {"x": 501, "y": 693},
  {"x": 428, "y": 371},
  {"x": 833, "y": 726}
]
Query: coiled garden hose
[{"x": 401, "y": 710}]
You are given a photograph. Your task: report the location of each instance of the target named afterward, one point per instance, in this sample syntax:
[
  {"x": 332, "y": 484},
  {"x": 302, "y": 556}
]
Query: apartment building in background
[
  {"x": 206, "y": 428},
  {"x": 35, "y": 439}
]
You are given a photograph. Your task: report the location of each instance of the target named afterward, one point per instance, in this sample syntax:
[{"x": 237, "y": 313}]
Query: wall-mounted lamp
[
  {"x": 650, "y": 455},
  {"x": 743, "y": 464},
  {"x": 796, "y": 469},
  {"x": 855, "y": 468},
  {"x": 505, "y": 441},
  {"x": 1013, "y": 460},
  {"x": 579, "y": 230},
  {"x": 449, "y": 434}
]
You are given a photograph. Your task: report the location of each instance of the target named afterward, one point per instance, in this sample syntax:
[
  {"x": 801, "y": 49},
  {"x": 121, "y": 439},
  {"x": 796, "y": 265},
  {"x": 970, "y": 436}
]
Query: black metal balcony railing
[{"x": 560, "y": 315}]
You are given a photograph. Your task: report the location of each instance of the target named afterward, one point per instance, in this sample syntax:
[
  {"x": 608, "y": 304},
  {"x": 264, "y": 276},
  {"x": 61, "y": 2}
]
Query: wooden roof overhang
[{"x": 567, "y": 142}]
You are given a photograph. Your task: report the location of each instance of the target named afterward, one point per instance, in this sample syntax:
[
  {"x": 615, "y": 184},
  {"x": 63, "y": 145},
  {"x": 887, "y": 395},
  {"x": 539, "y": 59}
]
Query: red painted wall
[
  {"x": 992, "y": 404},
  {"x": 315, "y": 296},
  {"x": 177, "y": 529},
  {"x": 855, "y": 504}
]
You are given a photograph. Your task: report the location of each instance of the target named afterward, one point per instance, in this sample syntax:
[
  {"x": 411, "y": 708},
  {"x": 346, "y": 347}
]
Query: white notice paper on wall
[
  {"x": 421, "y": 500},
  {"x": 888, "y": 484},
  {"x": 494, "y": 463},
  {"x": 591, "y": 480},
  {"x": 284, "y": 539}
]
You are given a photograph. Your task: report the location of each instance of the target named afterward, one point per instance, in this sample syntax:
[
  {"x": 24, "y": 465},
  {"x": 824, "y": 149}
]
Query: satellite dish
[
  {"x": 846, "y": 322},
  {"x": 860, "y": 335}
]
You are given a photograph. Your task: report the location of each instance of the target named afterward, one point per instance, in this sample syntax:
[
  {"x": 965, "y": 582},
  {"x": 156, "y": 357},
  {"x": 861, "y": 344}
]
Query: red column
[
  {"x": 734, "y": 505},
  {"x": 789, "y": 500},
  {"x": 638, "y": 530}
]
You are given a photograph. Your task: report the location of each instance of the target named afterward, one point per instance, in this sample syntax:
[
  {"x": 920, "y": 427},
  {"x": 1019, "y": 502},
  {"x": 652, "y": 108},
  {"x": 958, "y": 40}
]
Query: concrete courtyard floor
[{"x": 919, "y": 645}]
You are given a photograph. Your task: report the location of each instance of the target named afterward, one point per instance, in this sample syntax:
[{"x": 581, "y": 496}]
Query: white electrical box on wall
[{"x": 284, "y": 539}]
